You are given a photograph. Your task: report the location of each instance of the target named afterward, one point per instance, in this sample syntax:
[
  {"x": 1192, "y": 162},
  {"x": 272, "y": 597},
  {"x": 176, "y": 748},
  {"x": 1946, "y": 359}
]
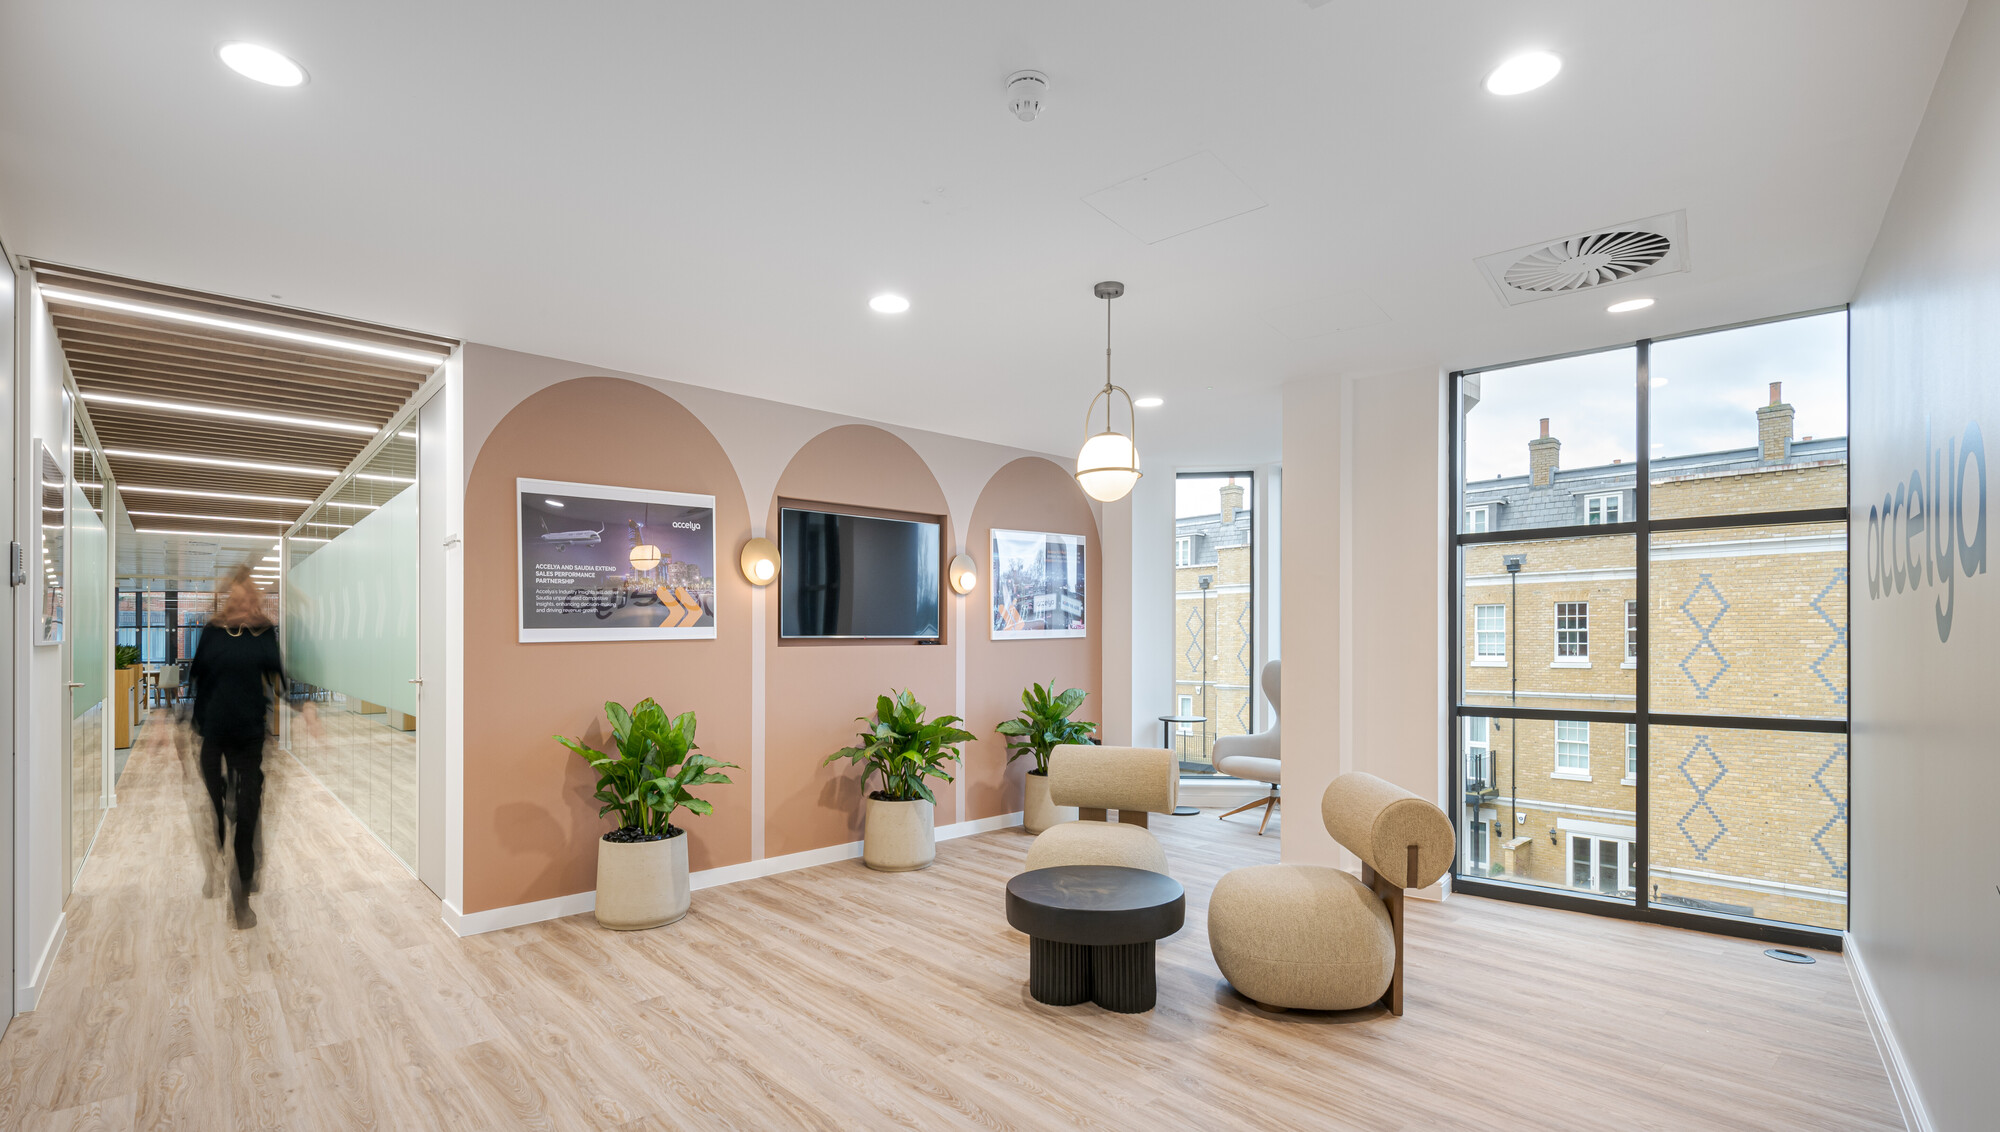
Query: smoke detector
[
  {"x": 1025, "y": 91},
  {"x": 1640, "y": 249}
]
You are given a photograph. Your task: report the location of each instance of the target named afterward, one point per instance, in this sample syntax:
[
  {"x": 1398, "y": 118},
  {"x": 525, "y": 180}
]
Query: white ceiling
[{"x": 711, "y": 192}]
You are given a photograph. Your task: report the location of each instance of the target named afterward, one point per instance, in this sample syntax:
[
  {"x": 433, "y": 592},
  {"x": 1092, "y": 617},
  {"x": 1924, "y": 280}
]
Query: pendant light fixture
[{"x": 1108, "y": 464}]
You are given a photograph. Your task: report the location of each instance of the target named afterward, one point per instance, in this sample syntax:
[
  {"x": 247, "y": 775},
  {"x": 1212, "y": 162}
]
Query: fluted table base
[{"x": 1119, "y": 977}]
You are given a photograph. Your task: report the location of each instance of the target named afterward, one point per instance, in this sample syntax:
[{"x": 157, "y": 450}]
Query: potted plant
[
  {"x": 125, "y": 694},
  {"x": 642, "y": 866},
  {"x": 904, "y": 748},
  {"x": 1043, "y": 725}
]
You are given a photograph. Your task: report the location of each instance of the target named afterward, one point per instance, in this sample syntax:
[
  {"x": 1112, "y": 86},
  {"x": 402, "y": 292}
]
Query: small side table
[
  {"x": 1091, "y": 930},
  {"x": 1167, "y": 740}
]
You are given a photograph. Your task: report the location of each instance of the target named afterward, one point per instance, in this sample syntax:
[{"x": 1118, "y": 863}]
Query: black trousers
[{"x": 244, "y": 759}]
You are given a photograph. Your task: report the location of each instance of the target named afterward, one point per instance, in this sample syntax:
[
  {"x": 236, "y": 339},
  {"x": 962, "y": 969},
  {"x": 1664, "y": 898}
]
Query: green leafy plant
[
  {"x": 1045, "y": 724},
  {"x": 125, "y": 656},
  {"x": 905, "y": 748},
  {"x": 648, "y": 777}
]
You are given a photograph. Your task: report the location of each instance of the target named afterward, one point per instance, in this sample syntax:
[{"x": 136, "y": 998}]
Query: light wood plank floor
[{"x": 840, "y": 998}]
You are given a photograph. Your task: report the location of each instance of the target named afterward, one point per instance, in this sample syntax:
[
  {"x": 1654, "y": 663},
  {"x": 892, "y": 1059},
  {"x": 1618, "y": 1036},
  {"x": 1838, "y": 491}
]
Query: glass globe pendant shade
[
  {"x": 1107, "y": 466},
  {"x": 645, "y": 557}
]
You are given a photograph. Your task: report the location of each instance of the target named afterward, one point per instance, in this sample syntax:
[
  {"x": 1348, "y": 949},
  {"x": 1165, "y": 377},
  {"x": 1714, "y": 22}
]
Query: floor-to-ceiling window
[
  {"x": 1215, "y": 592},
  {"x": 1650, "y": 691}
]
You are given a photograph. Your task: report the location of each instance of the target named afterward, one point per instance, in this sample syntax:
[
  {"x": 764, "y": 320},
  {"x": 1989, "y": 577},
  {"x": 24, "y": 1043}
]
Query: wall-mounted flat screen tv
[{"x": 856, "y": 576}]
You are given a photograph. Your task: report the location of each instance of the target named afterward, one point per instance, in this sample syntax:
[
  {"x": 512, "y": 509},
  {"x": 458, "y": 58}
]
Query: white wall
[
  {"x": 1364, "y": 560},
  {"x": 41, "y": 717},
  {"x": 1925, "y": 912}
]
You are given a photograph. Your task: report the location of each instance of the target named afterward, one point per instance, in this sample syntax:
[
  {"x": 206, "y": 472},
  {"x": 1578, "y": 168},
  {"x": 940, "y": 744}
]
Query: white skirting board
[
  {"x": 555, "y": 908},
  {"x": 26, "y": 997},
  {"x": 1915, "y": 1116}
]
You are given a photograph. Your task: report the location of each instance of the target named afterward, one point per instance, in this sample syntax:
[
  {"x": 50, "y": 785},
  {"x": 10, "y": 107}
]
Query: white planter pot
[
  {"x": 1038, "y": 813},
  {"x": 898, "y": 836},
  {"x": 642, "y": 884}
]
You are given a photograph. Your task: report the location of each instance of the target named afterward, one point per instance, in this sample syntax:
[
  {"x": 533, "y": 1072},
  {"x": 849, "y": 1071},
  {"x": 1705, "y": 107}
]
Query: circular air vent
[{"x": 1587, "y": 261}]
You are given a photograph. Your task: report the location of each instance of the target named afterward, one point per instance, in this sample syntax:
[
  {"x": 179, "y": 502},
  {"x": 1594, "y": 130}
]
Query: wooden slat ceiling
[{"x": 132, "y": 354}]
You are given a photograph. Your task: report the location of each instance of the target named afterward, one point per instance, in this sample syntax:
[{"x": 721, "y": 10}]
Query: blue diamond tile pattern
[
  {"x": 1839, "y": 818},
  {"x": 1194, "y": 653},
  {"x": 1839, "y": 640},
  {"x": 1694, "y": 816},
  {"x": 1701, "y": 688}
]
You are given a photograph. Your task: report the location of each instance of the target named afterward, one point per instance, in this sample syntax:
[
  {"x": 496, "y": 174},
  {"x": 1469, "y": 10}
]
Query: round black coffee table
[{"x": 1091, "y": 930}]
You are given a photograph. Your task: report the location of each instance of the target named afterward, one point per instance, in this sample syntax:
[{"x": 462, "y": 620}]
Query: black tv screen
[{"x": 856, "y": 576}]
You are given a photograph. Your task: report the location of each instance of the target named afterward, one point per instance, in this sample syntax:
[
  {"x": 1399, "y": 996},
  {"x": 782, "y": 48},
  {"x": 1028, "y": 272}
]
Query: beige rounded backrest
[
  {"x": 1114, "y": 778},
  {"x": 1378, "y": 821}
]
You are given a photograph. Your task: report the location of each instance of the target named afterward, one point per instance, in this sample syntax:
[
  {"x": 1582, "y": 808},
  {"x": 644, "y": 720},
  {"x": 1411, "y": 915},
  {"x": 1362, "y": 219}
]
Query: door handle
[
  {"x": 75, "y": 684},
  {"x": 416, "y": 679}
]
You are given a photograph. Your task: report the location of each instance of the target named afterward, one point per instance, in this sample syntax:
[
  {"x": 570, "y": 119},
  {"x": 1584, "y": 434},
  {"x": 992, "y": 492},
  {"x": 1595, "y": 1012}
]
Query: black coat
[{"x": 231, "y": 673}]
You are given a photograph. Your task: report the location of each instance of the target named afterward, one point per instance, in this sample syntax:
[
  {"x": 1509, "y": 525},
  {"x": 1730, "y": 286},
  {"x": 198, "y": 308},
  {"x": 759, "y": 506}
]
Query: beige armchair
[
  {"x": 1254, "y": 757},
  {"x": 1134, "y": 781},
  {"x": 1315, "y": 938}
]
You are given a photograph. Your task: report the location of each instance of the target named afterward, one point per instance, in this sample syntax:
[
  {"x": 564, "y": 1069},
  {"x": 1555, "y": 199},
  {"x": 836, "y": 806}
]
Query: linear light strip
[
  {"x": 130, "y": 489},
  {"x": 228, "y": 519},
  {"x": 219, "y": 462},
  {"x": 253, "y": 535},
  {"x": 231, "y": 414},
  {"x": 255, "y": 329},
  {"x": 383, "y": 479}
]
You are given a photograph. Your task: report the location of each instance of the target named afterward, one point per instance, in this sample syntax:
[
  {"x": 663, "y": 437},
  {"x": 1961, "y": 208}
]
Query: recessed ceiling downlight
[
  {"x": 1629, "y": 305},
  {"x": 1149, "y": 402},
  {"x": 888, "y": 304},
  {"x": 1523, "y": 73},
  {"x": 261, "y": 64}
]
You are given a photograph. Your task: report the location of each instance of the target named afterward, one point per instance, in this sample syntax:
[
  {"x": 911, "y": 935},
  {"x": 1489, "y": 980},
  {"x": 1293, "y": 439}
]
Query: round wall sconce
[
  {"x": 759, "y": 561},
  {"x": 963, "y": 575},
  {"x": 645, "y": 556}
]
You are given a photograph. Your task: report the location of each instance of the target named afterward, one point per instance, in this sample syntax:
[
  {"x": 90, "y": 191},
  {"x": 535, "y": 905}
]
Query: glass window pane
[
  {"x": 1551, "y": 633},
  {"x": 1215, "y": 663},
  {"x": 1539, "y": 818},
  {"x": 1543, "y": 440},
  {"x": 1750, "y": 823},
  {"x": 1750, "y": 419},
  {"x": 1751, "y": 621}
]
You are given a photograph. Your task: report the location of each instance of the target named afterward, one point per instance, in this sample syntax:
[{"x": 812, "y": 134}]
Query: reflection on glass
[
  {"x": 54, "y": 505},
  {"x": 1751, "y": 621},
  {"x": 1750, "y": 823},
  {"x": 1546, "y": 623},
  {"x": 1750, "y": 419},
  {"x": 1548, "y": 441},
  {"x": 1215, "y": 674},
  {"x": 88, "y": 615}
]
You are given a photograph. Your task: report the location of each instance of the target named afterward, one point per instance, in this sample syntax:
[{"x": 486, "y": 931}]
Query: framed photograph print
[
  {"x": 1037, "y": 586},
  {"x": 614, "y": 563}
]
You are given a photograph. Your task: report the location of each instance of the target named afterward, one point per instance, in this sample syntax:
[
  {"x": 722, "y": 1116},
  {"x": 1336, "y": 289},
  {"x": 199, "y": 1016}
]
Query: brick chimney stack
[
  {"x": 1774, "y": 429},
  {"x": 1543, "y": 455},
  {"x": 1232, "y": 501}
]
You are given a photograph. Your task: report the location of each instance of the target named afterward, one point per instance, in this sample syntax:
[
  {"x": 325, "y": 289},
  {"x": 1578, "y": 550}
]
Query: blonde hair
[{"x": 239, "y": 600}]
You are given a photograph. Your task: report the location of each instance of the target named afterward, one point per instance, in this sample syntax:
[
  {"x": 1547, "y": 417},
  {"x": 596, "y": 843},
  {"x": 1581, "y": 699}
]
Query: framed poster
[
  {"x": 1037, "y": 586},
  {"x": 49, "y": 616},
  {"x": 614, "y": 563}
]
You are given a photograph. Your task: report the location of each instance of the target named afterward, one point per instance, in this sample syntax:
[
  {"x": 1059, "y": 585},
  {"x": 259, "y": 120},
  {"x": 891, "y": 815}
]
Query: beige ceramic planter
[
  {"x": 642, "y": 884},
  {"x": 1039, "y": 813},
  {"x": 898, "y": 836}
]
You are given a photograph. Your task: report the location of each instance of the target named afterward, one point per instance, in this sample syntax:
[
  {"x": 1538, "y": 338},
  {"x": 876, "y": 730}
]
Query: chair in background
[
  {"x": 1135, "y": 781},
  {"x": 170, "y": 684},
  {"x": 1254, "y": 757},
  {"x": 1310, "y": 937}
]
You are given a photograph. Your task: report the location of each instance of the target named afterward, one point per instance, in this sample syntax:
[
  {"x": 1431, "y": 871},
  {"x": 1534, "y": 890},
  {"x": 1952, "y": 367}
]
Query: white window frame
[
  {"x": 1478, "y": 847},
  {"x": 1184, "y": 706},
  {"x": 1569, "y": 739},
  {"x": 1631, "y": 755},
  {"x": 1622, "y": 855},
  {"x": 1479, "y": 519},
  {"x": 1184, "y": 550},
  {"x": 1481, "y": 658},
  {"x": 1581, "y": 657},
  {"x": 1631, "y": 633},
  {"x": 1607, "y": 508},
  {"x": 1478, "y": 748}
]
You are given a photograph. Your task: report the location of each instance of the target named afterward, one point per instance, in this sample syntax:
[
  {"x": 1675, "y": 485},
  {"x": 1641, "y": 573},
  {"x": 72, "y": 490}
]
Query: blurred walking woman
[{"x": 236, "y": 671}]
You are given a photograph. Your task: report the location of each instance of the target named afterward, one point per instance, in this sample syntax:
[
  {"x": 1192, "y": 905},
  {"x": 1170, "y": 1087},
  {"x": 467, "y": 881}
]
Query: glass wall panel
[
  {"x": 1554, "y": 630},
  {"x": 89, "y": 646},
  {"x": 1215, "y": 648},
  {"x": 1550, "y": 444},
  {"x": 1549, "y": 803},
  {"x": 1750, "y": 823},
  {"x": 1751, "y": 621},
  {"x": 1750, "y": 419},
  {"x": 350, "y": 641}
]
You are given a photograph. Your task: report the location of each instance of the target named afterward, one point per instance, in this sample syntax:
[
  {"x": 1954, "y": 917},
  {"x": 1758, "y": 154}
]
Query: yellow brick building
[{"x": 1214, "y": 654}]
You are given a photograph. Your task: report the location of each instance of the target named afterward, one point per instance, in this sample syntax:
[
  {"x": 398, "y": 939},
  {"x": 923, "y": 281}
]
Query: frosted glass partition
[
  {"x": 89, "y": 633},
  {"x": 351, "y": 609}
]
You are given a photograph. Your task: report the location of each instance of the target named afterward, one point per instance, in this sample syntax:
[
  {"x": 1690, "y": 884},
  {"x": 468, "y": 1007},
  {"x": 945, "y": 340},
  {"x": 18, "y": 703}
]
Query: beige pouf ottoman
[
  {"x": 1301, "y": 937},
  {"x": 1097, "y": 843}
]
